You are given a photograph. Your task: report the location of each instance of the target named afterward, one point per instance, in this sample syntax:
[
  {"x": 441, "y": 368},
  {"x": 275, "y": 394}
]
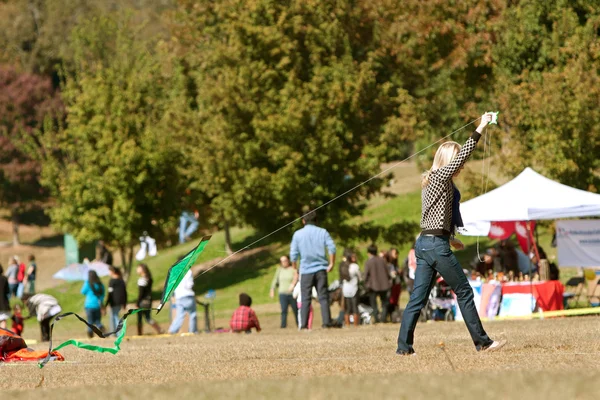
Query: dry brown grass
[{"x": 557, "y": 358}]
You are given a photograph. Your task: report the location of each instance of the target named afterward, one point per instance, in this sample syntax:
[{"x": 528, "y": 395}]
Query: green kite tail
[
  {"x": 174, "y": 277},
  {"x": 121, "y": 330}
]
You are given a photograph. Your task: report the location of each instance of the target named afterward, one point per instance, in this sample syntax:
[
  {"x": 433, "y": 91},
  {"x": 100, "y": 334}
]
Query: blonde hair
[{"x": 443, "y": 156}]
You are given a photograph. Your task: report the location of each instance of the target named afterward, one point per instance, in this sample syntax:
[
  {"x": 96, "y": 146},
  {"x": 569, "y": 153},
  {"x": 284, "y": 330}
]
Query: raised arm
[{"x": 447, "y": 172}]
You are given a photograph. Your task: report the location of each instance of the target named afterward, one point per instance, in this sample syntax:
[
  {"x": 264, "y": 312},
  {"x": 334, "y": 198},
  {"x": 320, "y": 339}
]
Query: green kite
[{"x": 174, "y": 277}]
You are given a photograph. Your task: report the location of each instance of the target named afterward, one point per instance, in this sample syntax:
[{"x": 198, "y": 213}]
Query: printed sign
[{"x": 578, "y": 243}]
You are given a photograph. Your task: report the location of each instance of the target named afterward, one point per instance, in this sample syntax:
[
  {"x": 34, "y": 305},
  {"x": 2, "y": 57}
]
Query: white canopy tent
[{"x": 528, "y": 197}]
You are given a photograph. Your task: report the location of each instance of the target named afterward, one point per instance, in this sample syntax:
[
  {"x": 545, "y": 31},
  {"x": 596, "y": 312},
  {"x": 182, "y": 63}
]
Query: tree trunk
[
  {"x": 130, "y": 259},
  {"x": 15, "y": 227},
  {"x": 227, "y": 238},
  {"x": 126, "y": 267}
]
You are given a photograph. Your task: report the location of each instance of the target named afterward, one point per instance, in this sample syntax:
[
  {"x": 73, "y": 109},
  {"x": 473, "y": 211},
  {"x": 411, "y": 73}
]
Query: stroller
[
  {"x": 441, "y": 304},
  {"x": 365, "y": 310}
]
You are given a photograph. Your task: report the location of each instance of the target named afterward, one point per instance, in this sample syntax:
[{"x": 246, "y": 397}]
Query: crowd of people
[
  {"x": 505, "y": 263},
  {"x": 18, "y": 281},
  {"x": 378, "y": 285}
]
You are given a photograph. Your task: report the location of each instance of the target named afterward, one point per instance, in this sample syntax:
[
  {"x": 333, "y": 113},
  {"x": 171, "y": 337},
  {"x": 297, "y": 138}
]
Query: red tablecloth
[{"x": 548, "y": 294}]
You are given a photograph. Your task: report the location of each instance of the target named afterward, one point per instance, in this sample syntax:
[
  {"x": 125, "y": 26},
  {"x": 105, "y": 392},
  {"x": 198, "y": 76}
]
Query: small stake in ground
[
  {"x": 442, "y": 346},
  {"x": 39, "y": 385}
]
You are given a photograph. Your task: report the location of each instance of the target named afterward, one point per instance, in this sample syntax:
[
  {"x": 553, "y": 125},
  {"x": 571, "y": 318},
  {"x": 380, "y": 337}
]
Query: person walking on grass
[
  {"x": 284, "y": 280},
  {"x": 185, "y": 301},
  {"x": 440, "y": 215},
  {"x": 308, "y": 245},
  {"x": 93, "y": 290},
  {"x": 117, "y": 296},
  {"x": 145, "y": 299},
  {"x": 378, "y": 281}
]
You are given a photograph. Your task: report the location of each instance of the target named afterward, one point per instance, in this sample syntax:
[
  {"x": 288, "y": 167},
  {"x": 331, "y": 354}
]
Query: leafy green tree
[
  {"x": 441, "y": 53},
  {"x": 113, "y": 169},
  {"x": 293, "y": 106},
  {"x": 34, "y": 34},
  {"x": 26, "y": 100},
  {"x": 548, "y": 79}
]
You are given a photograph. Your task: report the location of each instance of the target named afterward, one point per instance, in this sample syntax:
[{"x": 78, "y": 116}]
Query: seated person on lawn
[{"x": 244, "y": 318}]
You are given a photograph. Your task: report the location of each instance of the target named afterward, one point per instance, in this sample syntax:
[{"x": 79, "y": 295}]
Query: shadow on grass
[
  {"x": 281, "y": 236},
  {"x": 231, "y": 273},
  {"x": 50, "y": 241}
]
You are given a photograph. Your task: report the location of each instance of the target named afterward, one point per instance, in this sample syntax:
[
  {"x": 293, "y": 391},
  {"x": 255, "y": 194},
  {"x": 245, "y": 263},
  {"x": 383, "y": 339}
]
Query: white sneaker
[{"x": 495, "y": 346}]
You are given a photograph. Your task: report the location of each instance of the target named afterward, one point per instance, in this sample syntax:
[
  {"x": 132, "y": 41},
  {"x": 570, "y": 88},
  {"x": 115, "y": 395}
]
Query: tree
[
  {"x": 113, "y": 169},
  {"x": 293, "y": 106},
  {"x": 440, "y": 52},
  {"x": 34, "y": 34},
  {"x": 25, "y": 101},
  {"x": 548, "y": 80}
]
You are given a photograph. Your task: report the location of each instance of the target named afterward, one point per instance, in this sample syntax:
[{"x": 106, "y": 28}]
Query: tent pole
[{"x": 528, "y": 226}]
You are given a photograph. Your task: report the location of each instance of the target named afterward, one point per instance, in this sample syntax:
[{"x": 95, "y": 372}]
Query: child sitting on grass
[{"x": 244, "y": 318}]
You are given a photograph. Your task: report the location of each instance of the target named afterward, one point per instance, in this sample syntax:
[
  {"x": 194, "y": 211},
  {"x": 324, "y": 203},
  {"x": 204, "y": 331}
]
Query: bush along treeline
[{"x": 118, "y": 115}]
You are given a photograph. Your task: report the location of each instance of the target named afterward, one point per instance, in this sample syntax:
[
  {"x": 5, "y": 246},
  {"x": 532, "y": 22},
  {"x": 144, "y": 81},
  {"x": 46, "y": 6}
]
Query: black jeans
[
  {"x": 307, "y": 281},
  {"x": 288, "y": 300},
  {"x": 383, "y": 297},
  {"x": 434, "y": 255}
]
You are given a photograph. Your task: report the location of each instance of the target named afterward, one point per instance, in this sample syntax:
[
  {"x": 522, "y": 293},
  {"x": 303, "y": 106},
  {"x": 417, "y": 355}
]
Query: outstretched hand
[{"x": 485, "y": 120}]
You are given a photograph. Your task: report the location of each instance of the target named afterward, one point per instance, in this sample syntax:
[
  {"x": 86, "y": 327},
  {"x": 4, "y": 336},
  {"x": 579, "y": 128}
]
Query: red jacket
[
  {"x": 21, "y": 273},
  {"x": 244, "y": 319}
]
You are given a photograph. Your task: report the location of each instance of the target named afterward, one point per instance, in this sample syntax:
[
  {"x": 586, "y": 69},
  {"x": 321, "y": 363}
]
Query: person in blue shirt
[
  {"x": 310, "y": 245},
  {"x": 94, "y": 291}
]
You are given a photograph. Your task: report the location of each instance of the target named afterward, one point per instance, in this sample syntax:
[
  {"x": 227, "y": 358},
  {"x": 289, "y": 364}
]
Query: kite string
[
  {"x": 487, "y": 153},
  {"x": 336, "y": 198}
]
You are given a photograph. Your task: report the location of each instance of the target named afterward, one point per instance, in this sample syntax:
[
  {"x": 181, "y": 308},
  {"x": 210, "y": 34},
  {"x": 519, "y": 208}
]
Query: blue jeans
[
  {"x": 184, "y": 230},
  {"x": 433, "y": 256},
  {"x": 114, "y": 317},
  {"x": 185, "y": 305},
  {"x": 288, "y": 300},
  {"x": 12, "y": 289},
  {"x": 94, "y": 317},
  {"x": 20, "y": 290}
]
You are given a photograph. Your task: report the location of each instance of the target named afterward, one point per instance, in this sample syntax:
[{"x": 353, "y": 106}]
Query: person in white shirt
[
  {"x": 44, "y": 307},
  {"x": 350, "y": 276},
  {"x": 186, "y": 303},
  {"x": 297, "y": 294}
]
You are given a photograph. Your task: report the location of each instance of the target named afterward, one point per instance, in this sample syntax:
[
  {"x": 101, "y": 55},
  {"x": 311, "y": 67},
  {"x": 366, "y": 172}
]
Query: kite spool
[{"x": 494, "y": 120}]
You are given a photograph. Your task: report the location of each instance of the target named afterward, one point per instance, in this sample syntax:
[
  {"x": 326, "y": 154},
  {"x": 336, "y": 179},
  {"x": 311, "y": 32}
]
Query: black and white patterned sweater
[{"x": 437, "y": 196}]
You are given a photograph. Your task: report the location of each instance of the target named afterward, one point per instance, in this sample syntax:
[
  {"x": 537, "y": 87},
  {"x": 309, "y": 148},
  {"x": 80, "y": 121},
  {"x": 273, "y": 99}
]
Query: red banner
[{"x": 504, "y": 230}]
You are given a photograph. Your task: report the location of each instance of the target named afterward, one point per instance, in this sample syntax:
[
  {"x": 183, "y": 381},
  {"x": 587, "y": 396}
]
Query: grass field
[{"x": 547, "y": 359}]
